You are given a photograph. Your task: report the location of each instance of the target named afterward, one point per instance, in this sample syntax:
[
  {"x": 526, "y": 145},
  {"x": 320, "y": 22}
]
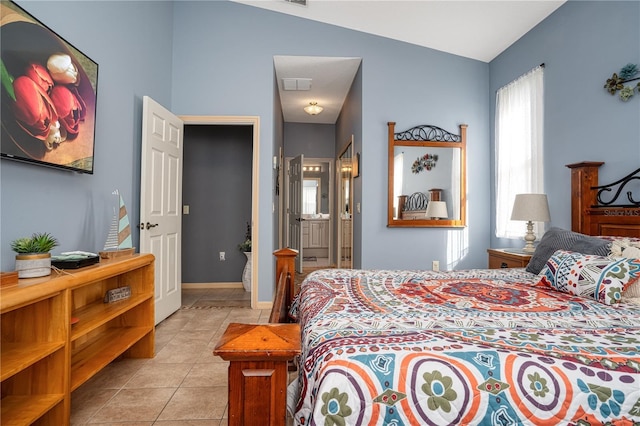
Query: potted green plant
[
  {"x": 33, "y": 257},
  {"x": 245, "y": 247}
]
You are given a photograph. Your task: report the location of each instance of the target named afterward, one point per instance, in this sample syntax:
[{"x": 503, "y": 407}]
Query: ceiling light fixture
[{"x": 313, "y": 108}]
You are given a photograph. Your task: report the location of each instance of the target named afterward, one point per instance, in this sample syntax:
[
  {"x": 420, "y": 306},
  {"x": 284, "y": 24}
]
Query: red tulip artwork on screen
[{"x": 50, "y": 90}]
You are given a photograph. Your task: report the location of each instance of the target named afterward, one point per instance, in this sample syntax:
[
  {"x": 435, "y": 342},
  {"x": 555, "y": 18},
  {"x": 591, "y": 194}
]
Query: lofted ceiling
[{"x": 475, "y": 29}]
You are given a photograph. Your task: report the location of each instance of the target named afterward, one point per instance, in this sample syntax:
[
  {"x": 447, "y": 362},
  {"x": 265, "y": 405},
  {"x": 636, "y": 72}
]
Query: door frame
[
  {"x": 339, "y": 195},
  {"x": 255, "y": 184},
  {"x": 284, "y": 206}
]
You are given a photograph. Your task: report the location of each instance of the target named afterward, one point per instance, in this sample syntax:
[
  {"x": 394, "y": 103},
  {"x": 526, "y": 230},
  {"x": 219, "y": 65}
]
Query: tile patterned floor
[{"x": 184, "y": 384}]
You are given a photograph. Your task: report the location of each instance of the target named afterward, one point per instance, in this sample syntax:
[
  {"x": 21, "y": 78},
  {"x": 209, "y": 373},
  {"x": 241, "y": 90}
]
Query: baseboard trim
[
  {"x": 264, "y": 305},
  {"x": 191, "y": 286}
]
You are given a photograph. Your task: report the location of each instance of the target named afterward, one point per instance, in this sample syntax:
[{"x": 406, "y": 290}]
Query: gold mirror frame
[{"x": 434, "y": 137}]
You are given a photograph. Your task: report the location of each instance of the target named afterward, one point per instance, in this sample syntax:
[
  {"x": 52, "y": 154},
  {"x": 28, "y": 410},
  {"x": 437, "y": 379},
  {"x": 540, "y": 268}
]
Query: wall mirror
[
  {"x": 344, "y": 171},
  {"x": 315, "y": 189},
  {"x": 427, "y": 177}
]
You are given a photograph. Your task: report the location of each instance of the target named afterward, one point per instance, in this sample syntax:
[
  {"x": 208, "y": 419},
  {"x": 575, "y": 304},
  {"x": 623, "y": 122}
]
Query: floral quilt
[{"x": 477, "y": 347}]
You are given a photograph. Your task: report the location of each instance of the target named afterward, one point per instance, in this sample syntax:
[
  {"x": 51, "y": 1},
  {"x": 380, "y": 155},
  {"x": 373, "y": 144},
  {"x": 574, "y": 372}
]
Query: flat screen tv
[{"x": 49, "y": 91}]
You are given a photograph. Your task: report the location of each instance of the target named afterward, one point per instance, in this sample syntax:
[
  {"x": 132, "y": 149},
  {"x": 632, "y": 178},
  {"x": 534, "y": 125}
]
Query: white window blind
[{"x": 518, "y": 146}]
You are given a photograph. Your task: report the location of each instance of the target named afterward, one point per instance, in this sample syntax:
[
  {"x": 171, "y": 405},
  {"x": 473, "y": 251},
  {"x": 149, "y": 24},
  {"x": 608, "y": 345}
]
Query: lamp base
[{"x": 529, "y": 237}]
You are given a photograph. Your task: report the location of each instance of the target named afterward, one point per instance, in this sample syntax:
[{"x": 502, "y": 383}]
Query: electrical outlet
[
  {"x": 435, "y": 265},
  {"x": 222, "y": 255}
]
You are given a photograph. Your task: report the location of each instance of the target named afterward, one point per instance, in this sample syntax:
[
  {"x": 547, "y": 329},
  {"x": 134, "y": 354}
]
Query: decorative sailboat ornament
[{"x": 118, "y": 241}]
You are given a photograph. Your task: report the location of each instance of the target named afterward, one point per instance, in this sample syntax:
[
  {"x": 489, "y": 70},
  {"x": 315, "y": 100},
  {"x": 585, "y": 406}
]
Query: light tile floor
[{"x": 184, "y": 384}]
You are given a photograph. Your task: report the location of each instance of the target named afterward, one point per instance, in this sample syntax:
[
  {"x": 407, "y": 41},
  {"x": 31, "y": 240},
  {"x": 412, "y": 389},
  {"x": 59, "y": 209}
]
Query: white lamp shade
[
  {"x": 437, "y": 209},
  {"x": 531, "y": 207}
]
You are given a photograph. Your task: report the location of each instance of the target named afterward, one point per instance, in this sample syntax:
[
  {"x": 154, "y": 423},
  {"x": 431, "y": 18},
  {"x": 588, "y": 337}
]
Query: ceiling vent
[
  {"x": 296, "y": 84},
  {"x": 300, "y": 2}
]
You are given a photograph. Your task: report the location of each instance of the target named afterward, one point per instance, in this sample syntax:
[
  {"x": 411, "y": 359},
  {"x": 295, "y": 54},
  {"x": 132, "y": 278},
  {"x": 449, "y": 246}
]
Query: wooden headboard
[
  {"x": 285, "y": 285},
  {"x": 598, "y": 209}
]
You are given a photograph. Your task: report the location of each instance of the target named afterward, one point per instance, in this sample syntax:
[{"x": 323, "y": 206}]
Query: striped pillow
[{"x": 561, "y": 239}]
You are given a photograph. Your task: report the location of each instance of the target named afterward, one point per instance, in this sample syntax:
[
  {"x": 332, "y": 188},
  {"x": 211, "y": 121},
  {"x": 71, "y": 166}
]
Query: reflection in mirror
[
  {"x": 345, "y": 178},
  {"x": 427, "y": 163},
  {"x": 315, "y": 189},
  {"x": 440, "y": 181},
  {"x": 310, "y": 196}
]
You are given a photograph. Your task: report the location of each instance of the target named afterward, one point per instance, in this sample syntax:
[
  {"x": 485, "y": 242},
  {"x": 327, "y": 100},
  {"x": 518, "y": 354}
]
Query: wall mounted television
[{"x": 49, "y": 91}]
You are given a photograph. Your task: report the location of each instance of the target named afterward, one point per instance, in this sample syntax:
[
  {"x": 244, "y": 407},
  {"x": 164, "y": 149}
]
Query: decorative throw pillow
[
  {"x": 631, "y": 252},
  {"x": 633, "y": 290},
  {"x": 598, "y": 277},
  {"x": 562, "y": 272},
  {"x": 620, "y": 246},
  {"x": 561, "y": 239}
]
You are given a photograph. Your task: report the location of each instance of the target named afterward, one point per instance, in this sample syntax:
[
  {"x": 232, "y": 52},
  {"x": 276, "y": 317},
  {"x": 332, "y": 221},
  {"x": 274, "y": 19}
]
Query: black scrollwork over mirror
[{"x": 427, "y": 177}]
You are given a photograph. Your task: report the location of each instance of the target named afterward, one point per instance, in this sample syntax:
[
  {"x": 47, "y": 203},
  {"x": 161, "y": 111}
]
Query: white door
[
  {"x": 294, "y": 213},
  {"x": 160, "y": 201}
]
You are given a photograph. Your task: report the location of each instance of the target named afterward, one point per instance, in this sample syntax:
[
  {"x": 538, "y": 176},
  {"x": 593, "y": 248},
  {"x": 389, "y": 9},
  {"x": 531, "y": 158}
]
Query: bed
[{"x": 486, "y": 346}]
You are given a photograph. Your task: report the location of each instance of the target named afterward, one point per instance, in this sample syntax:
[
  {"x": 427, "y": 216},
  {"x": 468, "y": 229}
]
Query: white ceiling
[
  {"x": 476, "y": 29},
  {"x": 331, "y": 80}
]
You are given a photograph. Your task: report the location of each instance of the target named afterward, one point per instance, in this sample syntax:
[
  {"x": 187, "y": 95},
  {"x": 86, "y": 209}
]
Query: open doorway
[
  {"x": 251, "y": 132},
  {"x": 334, "y": 84},
  {"x": 317, "y": 220}
]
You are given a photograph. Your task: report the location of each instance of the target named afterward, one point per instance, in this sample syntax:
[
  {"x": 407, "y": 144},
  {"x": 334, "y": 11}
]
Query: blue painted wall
[
  {"x": 216, "y": 58},
  {"x": 581, "y": 44},
  {"x": 133, "y": 62},
  {"x": 312, "y": 140},
  {"x": 223, "y": 65},
  {"x": 349, "y": 124}
]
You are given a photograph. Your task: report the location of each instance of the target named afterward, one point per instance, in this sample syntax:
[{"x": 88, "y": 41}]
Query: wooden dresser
[
  {"x": 44, "y": 357},
  {"x": 507, "y": 258}
]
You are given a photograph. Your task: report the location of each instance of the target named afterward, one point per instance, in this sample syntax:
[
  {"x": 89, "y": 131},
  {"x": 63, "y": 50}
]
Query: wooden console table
[{"x": 258, "y": 374}]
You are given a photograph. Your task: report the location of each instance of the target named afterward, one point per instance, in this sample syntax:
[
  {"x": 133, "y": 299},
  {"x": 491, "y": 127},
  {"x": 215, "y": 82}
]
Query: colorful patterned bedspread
[{"x": 477, "y": 347}]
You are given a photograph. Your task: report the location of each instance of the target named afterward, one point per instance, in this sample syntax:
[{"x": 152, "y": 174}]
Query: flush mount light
[{"x": 313, "y": 108}]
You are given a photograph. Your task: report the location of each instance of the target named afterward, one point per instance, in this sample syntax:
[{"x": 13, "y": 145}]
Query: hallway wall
[{"x": 217, "y": 188}]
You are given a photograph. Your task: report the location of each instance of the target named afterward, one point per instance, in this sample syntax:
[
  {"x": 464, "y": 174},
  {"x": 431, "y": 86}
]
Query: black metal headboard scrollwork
[
  {"x": 416, "y": 201},
  {"x": 601, "y": 209},
  {"x": 625, "y": 182},
  {"x": 427, "y": 133}
]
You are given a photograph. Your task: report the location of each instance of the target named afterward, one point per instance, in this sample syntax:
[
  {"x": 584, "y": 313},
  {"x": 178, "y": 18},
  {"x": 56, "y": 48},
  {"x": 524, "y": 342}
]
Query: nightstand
[{"x": 507, "y": 258}]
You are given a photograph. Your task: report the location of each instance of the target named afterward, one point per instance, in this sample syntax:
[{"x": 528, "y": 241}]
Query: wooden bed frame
[{"x": 593, "y": 212}]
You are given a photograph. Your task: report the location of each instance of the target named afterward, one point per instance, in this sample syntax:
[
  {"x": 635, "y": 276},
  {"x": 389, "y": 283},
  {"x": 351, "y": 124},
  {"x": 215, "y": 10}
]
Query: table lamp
[
  {"x": 437, "y": 210},
  {"x": 530, "y": 208}
]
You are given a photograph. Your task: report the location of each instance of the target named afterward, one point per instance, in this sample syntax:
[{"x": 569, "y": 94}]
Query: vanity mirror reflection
[{"x": 427, "y": 177}]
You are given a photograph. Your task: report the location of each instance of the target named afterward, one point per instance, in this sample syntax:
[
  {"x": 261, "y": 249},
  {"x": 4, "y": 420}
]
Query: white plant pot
[
  {"x": 246, "y": 273},
  {"x": 33, "y": 265}
]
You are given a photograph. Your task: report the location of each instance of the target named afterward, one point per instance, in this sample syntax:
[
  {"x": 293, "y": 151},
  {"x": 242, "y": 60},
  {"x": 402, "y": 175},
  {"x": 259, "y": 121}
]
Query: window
[
  {"x": 518, "y": 147},
  {"x": 310, "y": 195}
]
